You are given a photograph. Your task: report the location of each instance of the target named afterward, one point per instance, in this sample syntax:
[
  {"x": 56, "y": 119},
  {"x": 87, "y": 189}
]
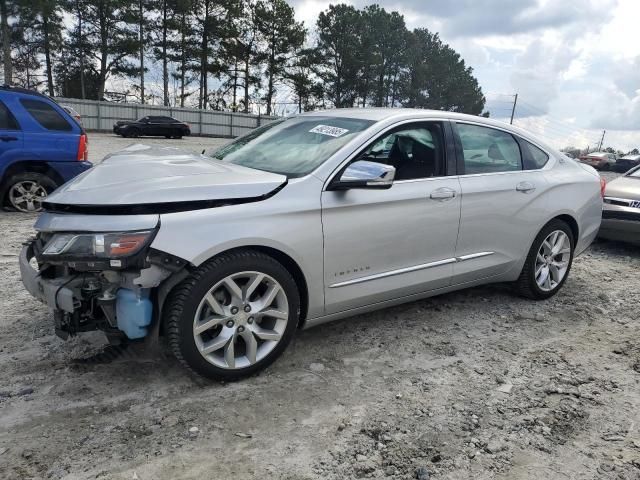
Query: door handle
[
  {"x": 6, "y": 138},
  {"x": 525, "y": 187},
  {"x": 443, "y": 194}
]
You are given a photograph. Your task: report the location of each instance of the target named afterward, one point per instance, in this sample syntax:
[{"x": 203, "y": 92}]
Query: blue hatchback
[{"x": 41, "y": 147}]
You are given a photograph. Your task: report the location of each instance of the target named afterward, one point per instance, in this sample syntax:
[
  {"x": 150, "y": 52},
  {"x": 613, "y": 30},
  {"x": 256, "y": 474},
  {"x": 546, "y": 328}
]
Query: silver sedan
[
  {"x": 303, "y": 221},
  {"x": 621, "y": 214}
]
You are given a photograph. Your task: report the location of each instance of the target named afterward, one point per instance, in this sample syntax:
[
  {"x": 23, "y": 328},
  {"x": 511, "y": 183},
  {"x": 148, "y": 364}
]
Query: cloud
[
  {"x": 574, "y": 63},
  {"x": 473, "y": 18}
]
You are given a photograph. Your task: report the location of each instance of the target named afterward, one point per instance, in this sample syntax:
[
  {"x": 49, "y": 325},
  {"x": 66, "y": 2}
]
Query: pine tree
[
  {"x": 110, "y": 39},
  {"x": 436, "y": 77},
  {"x": 339, "y": 51},
  {"x": 282, "y": 35}
]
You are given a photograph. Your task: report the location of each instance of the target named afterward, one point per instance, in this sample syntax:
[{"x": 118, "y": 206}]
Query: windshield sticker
[{"x": 328, "y": 130}]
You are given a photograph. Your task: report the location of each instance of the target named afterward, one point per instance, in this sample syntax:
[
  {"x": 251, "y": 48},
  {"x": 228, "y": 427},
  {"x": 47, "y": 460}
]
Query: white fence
[{"x": 100, "y": 116}]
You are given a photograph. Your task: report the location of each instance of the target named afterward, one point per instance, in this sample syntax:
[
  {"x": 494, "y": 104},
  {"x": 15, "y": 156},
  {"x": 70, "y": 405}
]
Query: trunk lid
[{"x": 624, "y": 187}]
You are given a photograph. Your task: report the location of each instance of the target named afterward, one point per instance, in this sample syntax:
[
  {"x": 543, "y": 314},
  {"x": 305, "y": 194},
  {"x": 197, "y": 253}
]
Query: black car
[
  {"x": 152, "y": 126},
  {"x": 627, "y": 162}
]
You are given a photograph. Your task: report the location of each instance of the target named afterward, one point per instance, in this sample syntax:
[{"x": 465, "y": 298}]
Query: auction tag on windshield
[{"x": 328, "y": 130}]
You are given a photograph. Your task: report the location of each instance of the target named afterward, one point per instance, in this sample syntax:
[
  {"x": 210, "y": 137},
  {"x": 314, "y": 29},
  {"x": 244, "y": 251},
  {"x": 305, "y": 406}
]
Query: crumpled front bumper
[{"x": 50, "y": 291}]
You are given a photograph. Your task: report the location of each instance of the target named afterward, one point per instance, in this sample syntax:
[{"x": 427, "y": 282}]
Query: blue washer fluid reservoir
[{"x": 133, "y": 312}]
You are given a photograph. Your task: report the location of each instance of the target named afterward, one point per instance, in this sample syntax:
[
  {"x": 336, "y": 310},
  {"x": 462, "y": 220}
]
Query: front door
[
  {"x": 11, "y": 138},
  {"x": 385, "y": 244}
]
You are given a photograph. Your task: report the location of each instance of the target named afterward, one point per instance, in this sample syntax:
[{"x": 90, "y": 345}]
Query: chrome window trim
[
  {"x": 426, "y": 179},
  {"x": 512, "y": 172},
  {"x": 415, "y": 268}
]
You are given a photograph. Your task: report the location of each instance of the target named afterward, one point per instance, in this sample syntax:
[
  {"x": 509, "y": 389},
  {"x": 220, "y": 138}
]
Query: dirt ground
[{"x": 476, "y": 384}]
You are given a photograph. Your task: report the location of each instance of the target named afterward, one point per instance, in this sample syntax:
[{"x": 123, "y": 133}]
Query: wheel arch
[
  {"x": 572, "y": 222},
  {"x": 287, "y": 262},
  {"x": 26, "y": 166},
  {"x": 31, "y": 166}
]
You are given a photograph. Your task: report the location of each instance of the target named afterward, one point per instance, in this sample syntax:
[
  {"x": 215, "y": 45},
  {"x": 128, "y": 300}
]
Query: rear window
[
  {"x": 7, "y": 121},
  {"x": 47, "y": 116},
  {"x": 487, "y": 150},
  {"x": 534, "y": 158}
]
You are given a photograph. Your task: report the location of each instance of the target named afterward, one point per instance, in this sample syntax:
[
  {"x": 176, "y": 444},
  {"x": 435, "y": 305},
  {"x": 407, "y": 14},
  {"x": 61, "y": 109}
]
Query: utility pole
[
  {"x": 513, "y": 110},
  {"x": 601, "y": 140}
]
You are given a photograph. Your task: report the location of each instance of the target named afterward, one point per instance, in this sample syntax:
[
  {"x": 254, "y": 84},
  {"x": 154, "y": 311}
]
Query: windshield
[{"x": 292, "y": 147}]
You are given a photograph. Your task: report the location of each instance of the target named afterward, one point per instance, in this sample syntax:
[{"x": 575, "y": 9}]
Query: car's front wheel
[
  {"x": 548, "y": 262},
  {"x": 233, "y": 316}
]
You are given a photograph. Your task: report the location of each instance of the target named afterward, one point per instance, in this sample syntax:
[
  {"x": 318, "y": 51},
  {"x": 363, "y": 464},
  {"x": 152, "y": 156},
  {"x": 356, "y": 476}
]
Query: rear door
[
  {"x": 503, "y": 201},
  {"x": 385, "y": 244},
  {"x": 156, "y": 126},
  {"x": 11, "y": 138},
  {"x": 50, "y": 135}
]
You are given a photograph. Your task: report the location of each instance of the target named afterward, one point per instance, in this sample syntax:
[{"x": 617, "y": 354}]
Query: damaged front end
[{"x": 109, "y": 281}]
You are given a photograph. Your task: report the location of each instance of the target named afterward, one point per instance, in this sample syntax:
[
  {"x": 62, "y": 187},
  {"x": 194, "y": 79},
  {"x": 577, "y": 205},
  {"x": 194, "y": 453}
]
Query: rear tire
[
  {"x": 233, "y": 316},
  {"x": 25, "y": 192},
  {"x": 555, "y": 262}
]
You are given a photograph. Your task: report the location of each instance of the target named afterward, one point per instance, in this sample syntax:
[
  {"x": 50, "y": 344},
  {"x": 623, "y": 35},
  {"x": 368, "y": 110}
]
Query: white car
[{"x": 304, "y": 221}]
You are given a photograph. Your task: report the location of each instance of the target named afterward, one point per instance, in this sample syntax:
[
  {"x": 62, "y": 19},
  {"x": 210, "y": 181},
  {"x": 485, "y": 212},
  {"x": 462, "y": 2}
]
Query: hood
[
  {"x": 624, "y": 187},
  {"x": 141, "y": 175},
  {"x": 120, "y": 123}
]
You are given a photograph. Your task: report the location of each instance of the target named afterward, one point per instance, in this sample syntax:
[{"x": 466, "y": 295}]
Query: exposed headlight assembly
[{"x": 113, "y": 245}]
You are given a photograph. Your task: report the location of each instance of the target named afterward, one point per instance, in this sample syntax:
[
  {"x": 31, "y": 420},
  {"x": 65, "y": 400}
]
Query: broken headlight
[{"x": 97, "y": 245}]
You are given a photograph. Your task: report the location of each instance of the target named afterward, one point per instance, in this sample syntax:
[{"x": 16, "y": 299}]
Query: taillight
[
  {"x": 603, "y": 186},
  {"x": 83, "y": 150}
]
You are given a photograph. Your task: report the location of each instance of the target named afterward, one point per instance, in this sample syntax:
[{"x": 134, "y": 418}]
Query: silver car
[
  {"x": 621, "y": 213},
  {"x": 304, "y": 221}
]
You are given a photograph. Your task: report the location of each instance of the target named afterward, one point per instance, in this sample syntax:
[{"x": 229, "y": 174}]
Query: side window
[
  {"x": 415, "y": 150},
  {"x": 487, "y": 150},
  {"x": 7, "y": 120},
  {"x": 45, "y": 115},
  {"x": 534, "y": 158}
]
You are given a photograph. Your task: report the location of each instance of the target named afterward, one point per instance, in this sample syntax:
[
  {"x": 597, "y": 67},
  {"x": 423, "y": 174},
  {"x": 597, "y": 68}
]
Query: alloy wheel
[
  {"x": 552, "y": 260},
  {"x": 241, "y": 320},
  {"x": 27, "y": 196}
]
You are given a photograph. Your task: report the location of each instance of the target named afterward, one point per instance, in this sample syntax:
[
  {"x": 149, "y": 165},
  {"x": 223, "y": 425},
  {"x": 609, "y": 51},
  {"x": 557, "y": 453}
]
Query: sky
[{"x": 575, "y": 64}]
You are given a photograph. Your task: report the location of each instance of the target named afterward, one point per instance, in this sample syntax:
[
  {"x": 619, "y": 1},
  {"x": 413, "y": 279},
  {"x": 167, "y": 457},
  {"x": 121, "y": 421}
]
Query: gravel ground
[
  {"x": 102, "y": 143},
  {"x": 475, "y": 384}
]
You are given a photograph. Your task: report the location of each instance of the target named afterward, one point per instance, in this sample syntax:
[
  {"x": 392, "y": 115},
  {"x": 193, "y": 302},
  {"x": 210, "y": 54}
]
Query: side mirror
[{"x": 365, "y": 174}]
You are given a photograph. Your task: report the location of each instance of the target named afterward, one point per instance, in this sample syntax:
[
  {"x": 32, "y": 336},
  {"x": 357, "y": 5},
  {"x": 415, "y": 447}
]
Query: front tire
[
  {"x": 548, "y": 263},
  {"x": 233, "y": 316}
]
